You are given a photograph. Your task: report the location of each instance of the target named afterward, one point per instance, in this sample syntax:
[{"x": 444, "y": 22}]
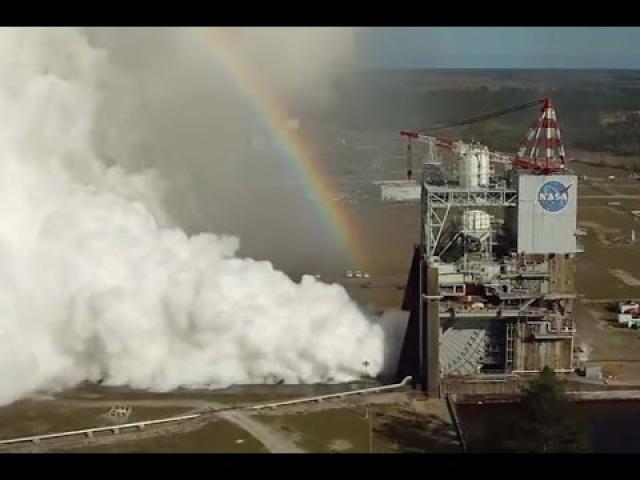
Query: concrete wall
[
  {"x": 432, "y": 321},
  {"x": 394, "y": 324},
  {"x": 483, "y": 387},
  {"x": 536, "y": 354},
  {"x": 562, "y": 270}
]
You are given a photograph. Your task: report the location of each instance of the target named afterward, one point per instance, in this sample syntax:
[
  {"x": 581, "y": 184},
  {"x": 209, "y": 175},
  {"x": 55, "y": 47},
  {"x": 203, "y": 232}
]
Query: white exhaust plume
[
  {"x": 203, "y": 123},
  {"x": 93, "y": 285}
]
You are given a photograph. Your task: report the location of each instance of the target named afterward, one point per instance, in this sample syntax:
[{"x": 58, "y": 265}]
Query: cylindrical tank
[
  {"x": 463, "y": 169},
  {"x": 473, "y": 169},
  {"x": 476, "y": 222},
  {"x": 469, "y": 170},
  {"x": 483, "y": 167}
]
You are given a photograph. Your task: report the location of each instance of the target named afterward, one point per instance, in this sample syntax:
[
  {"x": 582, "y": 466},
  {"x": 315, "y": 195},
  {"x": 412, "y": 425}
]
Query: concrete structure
[{"x": 545, "y": 220}]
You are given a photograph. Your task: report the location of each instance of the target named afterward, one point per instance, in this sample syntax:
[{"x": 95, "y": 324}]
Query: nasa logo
[{"x": 553, "y": 196}]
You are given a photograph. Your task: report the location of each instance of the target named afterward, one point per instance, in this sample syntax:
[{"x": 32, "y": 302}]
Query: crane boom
[
  {"x": 447, "y": 144},
  {"x": 541, "y": 151}
]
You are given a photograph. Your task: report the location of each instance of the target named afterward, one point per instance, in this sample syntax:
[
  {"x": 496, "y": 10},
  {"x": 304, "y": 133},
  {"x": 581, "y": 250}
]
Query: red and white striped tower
[{"x": 542, "y": 148}]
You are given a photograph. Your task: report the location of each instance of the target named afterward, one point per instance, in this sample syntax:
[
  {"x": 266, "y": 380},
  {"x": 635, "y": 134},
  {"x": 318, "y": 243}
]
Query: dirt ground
[
  {"x": 606, "y": 271},
  {"x": 382, "y": 423},
  {"x": 213, "y": 436},
  {"x": 412, "y": 424},
  {"x": 617, "y": 348}
]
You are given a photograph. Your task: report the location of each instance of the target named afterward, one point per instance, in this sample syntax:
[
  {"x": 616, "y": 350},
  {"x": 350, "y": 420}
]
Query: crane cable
[{"x": 486, "y": 116}]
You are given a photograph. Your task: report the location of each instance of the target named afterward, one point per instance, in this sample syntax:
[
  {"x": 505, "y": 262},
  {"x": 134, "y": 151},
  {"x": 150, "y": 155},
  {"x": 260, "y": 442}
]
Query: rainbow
[{"x": 299, "y": 152}]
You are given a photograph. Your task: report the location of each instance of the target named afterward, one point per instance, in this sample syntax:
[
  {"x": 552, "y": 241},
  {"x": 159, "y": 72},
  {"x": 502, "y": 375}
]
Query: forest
[{"x": 381, "y": 100}]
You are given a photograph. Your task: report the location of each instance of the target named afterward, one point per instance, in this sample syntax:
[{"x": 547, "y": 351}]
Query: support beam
[{"x": 432, "y": 329}]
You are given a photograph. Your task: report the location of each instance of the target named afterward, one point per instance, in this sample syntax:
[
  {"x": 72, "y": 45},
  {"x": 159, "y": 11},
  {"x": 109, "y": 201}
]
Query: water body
[{"x": 614, "y": 426}]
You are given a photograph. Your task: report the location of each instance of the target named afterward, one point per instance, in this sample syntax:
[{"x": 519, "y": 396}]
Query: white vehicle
[
  {"x": 358, "y": 274},
  {"x": 365, "y": 275},
  {"x": 349, "y": 274}
]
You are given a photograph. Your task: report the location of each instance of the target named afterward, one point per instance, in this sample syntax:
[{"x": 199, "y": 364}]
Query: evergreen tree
[{"x": 545, "y": 423}]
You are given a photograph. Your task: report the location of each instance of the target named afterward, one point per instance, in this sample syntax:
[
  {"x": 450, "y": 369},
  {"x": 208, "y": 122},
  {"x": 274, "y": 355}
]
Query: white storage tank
[
  {"x": 469, "y": 170},
  {"x": 484, "y": 168},
  {"x": 462, "y": 168},
  {"x": 476, "y": 222},
  {"x": 474, "y": 170}
]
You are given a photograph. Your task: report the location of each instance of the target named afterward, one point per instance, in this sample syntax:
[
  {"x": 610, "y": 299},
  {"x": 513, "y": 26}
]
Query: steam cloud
[
  {"x": 95, "y": 283},
  {"x": 187, "y": 115}
]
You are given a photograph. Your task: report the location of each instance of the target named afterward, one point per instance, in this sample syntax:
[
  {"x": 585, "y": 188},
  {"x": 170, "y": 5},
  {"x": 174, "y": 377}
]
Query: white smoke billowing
[
  {"x": 94, "y": 284},
  {"x": 205, "y": 126}
]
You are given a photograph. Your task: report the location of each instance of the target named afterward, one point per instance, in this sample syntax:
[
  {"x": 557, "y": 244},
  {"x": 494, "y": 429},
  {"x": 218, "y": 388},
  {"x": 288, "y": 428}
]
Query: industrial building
[{"x": 491, "y": 287}]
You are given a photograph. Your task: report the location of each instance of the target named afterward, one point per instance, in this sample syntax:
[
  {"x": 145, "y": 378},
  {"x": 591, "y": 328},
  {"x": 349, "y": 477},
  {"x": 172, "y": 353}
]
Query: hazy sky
[{"x": 501, "y": 47}]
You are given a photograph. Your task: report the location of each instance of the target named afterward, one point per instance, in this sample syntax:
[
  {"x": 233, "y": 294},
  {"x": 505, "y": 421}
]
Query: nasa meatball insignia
[{"x": 553, "y": 196}]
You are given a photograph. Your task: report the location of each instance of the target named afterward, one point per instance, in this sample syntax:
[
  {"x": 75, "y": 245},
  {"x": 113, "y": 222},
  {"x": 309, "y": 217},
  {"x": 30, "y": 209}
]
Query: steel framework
[{"x": 437, "y": 202}]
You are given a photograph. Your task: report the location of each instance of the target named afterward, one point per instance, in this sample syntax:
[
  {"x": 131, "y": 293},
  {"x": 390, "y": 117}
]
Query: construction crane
[
  {"x": 455, "y": 146},
  {"x": 542, "y": 149}
]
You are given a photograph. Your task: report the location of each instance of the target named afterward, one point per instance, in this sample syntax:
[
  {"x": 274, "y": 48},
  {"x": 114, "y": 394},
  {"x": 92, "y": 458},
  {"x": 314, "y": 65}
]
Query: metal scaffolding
[{"x": 438, "y": 201}]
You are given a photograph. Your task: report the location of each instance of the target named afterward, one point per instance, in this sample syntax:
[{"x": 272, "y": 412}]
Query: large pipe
[{"x": 142, "y": 424}]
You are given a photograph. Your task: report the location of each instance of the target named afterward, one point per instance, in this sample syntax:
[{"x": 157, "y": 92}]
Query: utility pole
[
  {"x": 368, "y": 413},
  {"x": 370, "y": 430}
]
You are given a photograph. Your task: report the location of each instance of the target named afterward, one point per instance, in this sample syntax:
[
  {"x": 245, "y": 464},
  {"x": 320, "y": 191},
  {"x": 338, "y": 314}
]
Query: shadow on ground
[{"x": 413, "y": 432}]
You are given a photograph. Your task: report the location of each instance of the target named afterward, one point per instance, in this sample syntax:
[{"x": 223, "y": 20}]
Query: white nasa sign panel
[{"x": 547, "y": 208}]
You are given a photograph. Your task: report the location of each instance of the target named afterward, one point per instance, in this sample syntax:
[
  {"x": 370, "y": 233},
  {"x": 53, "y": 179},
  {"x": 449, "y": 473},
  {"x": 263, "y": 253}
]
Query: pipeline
[{"x": 89, "y": 432}]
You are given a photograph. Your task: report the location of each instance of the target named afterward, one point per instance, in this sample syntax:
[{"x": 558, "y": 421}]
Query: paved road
[{"x": 272, "y": 439}]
